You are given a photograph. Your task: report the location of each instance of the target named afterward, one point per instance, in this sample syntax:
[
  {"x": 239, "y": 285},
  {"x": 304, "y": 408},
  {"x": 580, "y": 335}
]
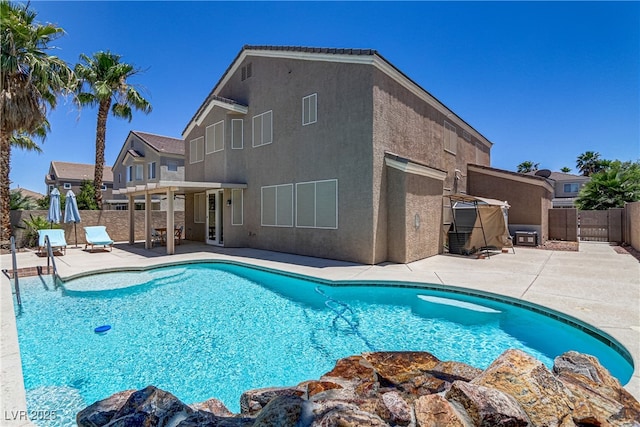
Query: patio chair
[
  {"x": 156, "y": 237},
  {"x": 178, "y": 234},
  {"x": 56, "y": 239},
  {"x": 97, "y": 236}
]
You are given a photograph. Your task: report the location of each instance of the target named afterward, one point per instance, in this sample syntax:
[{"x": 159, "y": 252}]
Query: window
[
  {"x": 450, "y": 138},
  {"x": 262, "y": 132},
  {"x": 236, "y": 206},
  {"x": 277, "y": 205},
  {"x": 51, "y": 187},
  {"x": 119, "y": 177},
  {"x": 215, "y": 137},
  {"x": 196, "y": 150},
  {"x": 199, "y": 208},
  {"x": 152, "y": 171},
  {"x": 67, "y": 186},
  {"x": 130, "y": 174},
  {"x": 317, "y": 204},
  {"x": 139, "y": 172},
  {"x": 172, "y": 166},
  {"x": 237, "y": 137},
  {"x": 571, "y": 188},
  {"x": 310, "y": 109},
  {"x": 103, "y": 187}
]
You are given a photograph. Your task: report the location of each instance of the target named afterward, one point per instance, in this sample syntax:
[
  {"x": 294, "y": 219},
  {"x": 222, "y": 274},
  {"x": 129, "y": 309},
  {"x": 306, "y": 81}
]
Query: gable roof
[
  {"x": 29, "y": 193},
  {"x": 78, "y": 172},
  {"x": 345, "y": 55},
  {"x": 160, "y": 143}
]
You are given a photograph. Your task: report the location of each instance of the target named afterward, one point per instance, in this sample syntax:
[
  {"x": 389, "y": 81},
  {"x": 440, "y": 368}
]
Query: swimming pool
[{"x": 217, "y": 329}]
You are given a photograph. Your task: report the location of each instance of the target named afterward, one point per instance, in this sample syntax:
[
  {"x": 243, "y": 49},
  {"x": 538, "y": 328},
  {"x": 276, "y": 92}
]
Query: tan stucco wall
[
  {"x": 633, "y": 224},
  {"x": 117, "y": 223},
  {"x": 529, "y": 203}
]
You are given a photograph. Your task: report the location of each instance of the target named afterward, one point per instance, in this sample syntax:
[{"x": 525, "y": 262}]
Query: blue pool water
[{"x": 216, "y": 330}]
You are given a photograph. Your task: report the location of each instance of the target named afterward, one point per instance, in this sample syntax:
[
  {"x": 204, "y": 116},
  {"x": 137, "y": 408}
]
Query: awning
[
  {"x": 180, "y": 187},
  {"x": 471, "y": 199}
]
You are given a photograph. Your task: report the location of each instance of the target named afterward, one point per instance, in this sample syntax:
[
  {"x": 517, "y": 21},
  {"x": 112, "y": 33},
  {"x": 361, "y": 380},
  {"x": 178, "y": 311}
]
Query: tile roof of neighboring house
[
  {"x": 314, "y": 50},
  {"x": 504, "y": 171},
  {"x": 162, "y": 144},
  {"x": 559, "y": 176},
  {"x": 78, "y": 172},
  {"x": 28, "y": 193}
]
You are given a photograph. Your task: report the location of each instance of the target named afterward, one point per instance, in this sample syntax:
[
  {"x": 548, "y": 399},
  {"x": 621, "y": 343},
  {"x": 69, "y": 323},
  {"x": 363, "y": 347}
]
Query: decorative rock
[
  {"x": 542, "y": 396},
  {"x": 352, "y": 368},
  {"x": 152, "y": 406},
  {"x": 451, "y": 371},
  {"x": 213, "y": 406},
  {"x": 598, "y": 397},
  {"x": 252, "y": 401},
  {"x": 398, "y": 407},
  {"x": 487, "y": 406},
  {"x": 315, "y": 387},
  {"x": 336, "y": 413},
  {"x": 396, "y": 367},
  {"x": 282, "y": 411},
  {"x": 102, "y": 411},
  {"x": 436, "y": 411}
]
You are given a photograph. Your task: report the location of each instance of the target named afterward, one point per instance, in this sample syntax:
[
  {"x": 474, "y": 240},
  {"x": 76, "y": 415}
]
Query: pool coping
[{"x": 428, "y": 271}]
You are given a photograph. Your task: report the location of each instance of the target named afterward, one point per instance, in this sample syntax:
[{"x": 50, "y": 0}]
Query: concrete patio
[{"x": 596, "y": 285}]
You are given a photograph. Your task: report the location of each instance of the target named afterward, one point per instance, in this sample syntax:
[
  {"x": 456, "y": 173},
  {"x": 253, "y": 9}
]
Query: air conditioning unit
[{"x": 527, "y": 238}]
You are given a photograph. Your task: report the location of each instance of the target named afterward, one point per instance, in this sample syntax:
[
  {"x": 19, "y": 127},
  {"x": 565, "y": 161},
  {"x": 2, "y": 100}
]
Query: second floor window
[
  {"x": 310, "y": 109},
  {"x": 450, "y": 138},
  {"x": 572, "y": 187},
  {"x": 67, "y": 186},
  {"x": 196, "y": 150},
  {"x": 129, "y": 173},
  {"x": 152, "y": 170},
  {"x": 172, "y": 166},
  {"x": 139, "y": 172},
  {"x": 262, "y": 129},
  {"x": 215, "y": 137}
]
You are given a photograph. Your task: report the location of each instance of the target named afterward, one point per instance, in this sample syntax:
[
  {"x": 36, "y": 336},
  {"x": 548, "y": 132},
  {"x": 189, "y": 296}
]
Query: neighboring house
[
  {"x": 324, "y": 152},
  {"x": 566, "y": 187},
  {"x": 67, "y": 176},
  {"x": 34, "y": 195},
  {"x": 144, "y": 159}
]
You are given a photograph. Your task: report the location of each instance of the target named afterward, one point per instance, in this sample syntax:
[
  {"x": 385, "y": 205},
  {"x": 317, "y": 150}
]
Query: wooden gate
[{"x": 601, "y": 226}]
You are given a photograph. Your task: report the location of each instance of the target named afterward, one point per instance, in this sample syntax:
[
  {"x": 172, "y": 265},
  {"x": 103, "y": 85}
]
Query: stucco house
[
  {"x": 67, "y": 176},
  {"x": 329, "y": 153},
  {"x": 566, "y": 187},
  {"x": 147, "y": 158}
]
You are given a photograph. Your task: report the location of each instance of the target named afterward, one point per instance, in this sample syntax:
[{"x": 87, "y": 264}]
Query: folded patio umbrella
[
  {"x": 54, "y": 213},
  {"x": 71, "y": 212}
]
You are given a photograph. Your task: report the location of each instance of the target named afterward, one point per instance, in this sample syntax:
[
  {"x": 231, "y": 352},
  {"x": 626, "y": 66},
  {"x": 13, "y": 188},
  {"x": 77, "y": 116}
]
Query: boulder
[
  {"x": 436, "y": 411},
  {"x": 151, "y": 406},
  {"x": 543, "y": 397},
  {"x": 400, "y": 412},
  {"x": 487, "y": 406},
  {"x": 598, "y": 397},
  {"x": 101, "y": 412},
  {"x": 338, "y": 413},
  {"x": 252, "y": 401},
  {"x": 213, "y": 406},
  {"x": 397, "y": 367},
  {"x": 283, "y": 411}
]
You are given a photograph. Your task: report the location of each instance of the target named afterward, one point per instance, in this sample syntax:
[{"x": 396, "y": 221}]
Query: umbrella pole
[{"x": 75, "y": 231}]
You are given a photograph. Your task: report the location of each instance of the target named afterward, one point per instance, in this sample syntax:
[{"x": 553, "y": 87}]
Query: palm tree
[
  {"x": 590, "y": 162},
  {"x": 528, "y": 166},
  {"x": 565, "y": 169},
  {"x": 612, "y": 187},
  {"x": 31, "y": 82},
  {"x": 105, "y": 79},
  {"x": 20, "y": 201}
]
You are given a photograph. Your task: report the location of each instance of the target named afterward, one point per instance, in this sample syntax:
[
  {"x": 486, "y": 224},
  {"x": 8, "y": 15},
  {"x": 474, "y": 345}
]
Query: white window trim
[
  {"x": 210, "y": 146},
  {"x": 196, "y": 142},
  {"x": 241, "y": 134},
  {"x": 446, "y": 142},
  {"x": 67, "y": 186},
  {"x": 234, "y": 204},
  {"x": 139, "y": 167},
  {"x": 103, "y": 187},
  {"x": 253, "y": 124},
  {"x": 276, "y": 204},
  {"x": 316, "y": 204},
  {"x": 195, "y": 210},
  {"x": 312, "y": 98}
]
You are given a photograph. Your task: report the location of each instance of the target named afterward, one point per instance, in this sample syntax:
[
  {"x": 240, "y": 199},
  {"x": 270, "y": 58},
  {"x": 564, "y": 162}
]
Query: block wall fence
[{"x": 117, "y": 223}]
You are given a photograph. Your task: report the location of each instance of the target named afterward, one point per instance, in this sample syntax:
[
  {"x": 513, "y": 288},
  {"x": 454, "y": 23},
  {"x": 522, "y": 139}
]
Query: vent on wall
[{"x": 246, "y": 72}]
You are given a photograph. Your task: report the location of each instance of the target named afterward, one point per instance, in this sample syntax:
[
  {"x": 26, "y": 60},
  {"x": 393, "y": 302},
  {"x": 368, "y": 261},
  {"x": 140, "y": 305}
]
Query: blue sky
[{"x": 544, "y": 81}]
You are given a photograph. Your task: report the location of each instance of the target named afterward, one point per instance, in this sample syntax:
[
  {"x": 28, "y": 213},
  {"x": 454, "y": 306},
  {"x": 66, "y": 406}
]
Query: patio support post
[
  {"x": 171, "y": 242},
  {"x": 132, "y": 220},
  {"x": 147, "y": 220}
]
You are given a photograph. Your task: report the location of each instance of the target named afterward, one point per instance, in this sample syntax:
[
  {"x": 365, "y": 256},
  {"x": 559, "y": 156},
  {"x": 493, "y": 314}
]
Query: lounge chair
[
  {"x": 97, "y": 235},
  {"x": 56, "y": 239}
]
